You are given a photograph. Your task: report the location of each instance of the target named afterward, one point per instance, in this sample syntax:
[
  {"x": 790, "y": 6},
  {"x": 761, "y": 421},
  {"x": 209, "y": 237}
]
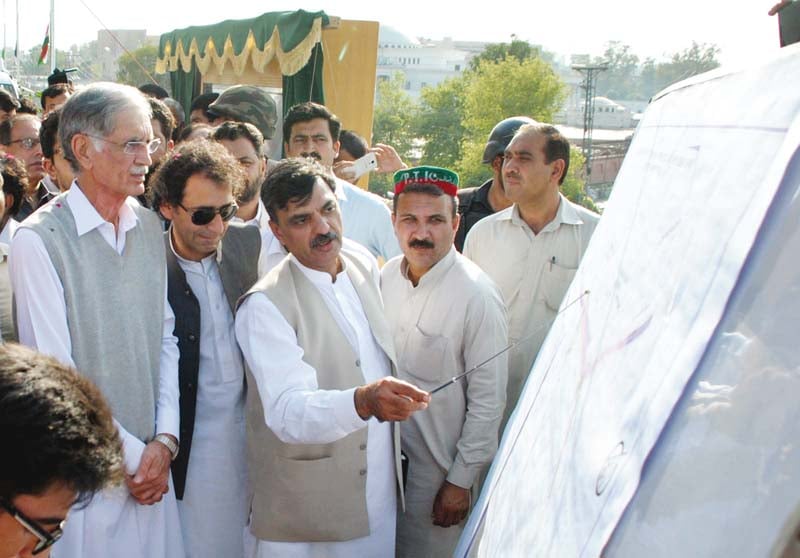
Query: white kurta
[
  {"x": 533, "y": 271},
  {"x": 453, "y": 320},
  {"x": 113, "y": 523},
  {"x": 271, "y": 250},
  {"x": 214, "y": 506},
  {"x": 367, "y": 220},
  {"x": 297, "y": 411}
]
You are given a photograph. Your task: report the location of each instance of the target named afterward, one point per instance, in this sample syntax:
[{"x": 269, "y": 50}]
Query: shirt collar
[
  {"x": 205, "y": 262},
  {"x": 321, "y": 279},
  {"x": 566, "y": 215},
  {"x": 438, "y": 270},
  {"x": 87, "y": 218}
]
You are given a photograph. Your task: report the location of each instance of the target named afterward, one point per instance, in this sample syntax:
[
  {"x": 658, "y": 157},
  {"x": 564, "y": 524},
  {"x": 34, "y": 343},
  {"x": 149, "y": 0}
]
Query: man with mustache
[
  {"x": 323, "y": 456},
  {"x": 211, "y": 262},
  {"x": 311, "y": 130},
  {"x": 446, "y": 317},
  {"x": 533, "y": 248},
  {"x": 476, "y": 203},
  {"x": 89, "y": 277},
  {"x": 246, "y": 144}
]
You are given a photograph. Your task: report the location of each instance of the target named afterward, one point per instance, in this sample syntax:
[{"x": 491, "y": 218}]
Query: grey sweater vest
[
  {"x": 313, "y": 492},
  {"x": 115, "y": 308}
]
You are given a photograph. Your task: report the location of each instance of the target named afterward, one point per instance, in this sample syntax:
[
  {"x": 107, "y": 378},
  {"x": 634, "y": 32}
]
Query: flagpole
[{"x": 52, "y": 36}]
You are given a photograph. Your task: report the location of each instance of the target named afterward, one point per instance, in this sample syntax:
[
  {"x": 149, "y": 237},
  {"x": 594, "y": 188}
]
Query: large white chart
[{"x": 701, "y": 173}]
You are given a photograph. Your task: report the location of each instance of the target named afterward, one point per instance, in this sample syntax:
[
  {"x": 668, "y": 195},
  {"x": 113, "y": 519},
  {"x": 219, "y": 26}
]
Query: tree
[
  {"x": 497, "y": 52},
  {"x": 498, "y": 90},
  {"x": 574, "y": 186},
  {"x": 440, "y": 121},
  {"x": 620, "y": 81},
  {"x": 393, "y": 123},
  {"x": 131, "y": 73},
  {"x": 689, "y": 62}
]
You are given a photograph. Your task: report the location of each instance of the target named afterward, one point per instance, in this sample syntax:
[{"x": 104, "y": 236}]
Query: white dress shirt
[
  {"x": 297, "y": 411},
  {"x": 367, "y": 220},
  {"x": 533, "y": 272},
  {"x": 214, "y": 506},
  {"x": 8, "y": 231},
  {"x": 113, "y": 521},
  {"x": 272, "y": 252}
]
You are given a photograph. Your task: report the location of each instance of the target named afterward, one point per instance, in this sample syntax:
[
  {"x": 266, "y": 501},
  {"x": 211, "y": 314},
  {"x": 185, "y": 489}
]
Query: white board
[{"x": 705, "y": 164}]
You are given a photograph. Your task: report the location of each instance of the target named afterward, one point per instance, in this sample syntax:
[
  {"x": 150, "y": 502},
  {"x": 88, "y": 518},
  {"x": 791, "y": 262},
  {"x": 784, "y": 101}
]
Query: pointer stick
[{"x": 511, "y": 346}]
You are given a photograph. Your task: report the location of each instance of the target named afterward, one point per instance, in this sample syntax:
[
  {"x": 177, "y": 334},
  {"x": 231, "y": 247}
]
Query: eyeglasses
[
  {"x": 204, "y": 215},
  {"x": 46, "y": 538},
  {"x": 27, "y": 143},
  {"x": 133, "y": 147}
]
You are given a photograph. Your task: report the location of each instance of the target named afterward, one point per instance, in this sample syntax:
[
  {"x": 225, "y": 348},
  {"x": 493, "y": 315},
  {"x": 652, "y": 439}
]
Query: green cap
[{"x": 247, "y": 103}]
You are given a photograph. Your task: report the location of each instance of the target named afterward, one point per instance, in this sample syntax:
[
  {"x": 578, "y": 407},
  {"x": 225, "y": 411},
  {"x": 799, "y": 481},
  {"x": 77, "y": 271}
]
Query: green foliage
[
  {"x": 440, "y": 121},
  {"x": 393, "y": 123},
  {"x": 574, "y": 186},
  {"x": 620, "y": 81},
  {"x": 130, "y": 73},
  {"x": 626, "y": 78},
  {"x": 497, "y": 52},
  {"x": 498, "y": 90}
]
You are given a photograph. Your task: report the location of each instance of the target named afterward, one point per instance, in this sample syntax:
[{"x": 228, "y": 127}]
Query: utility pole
[{"x": 589, "y": 73}]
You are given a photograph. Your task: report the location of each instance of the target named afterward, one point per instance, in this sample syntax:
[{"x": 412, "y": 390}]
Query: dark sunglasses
[
  {"x": 46, "y": 538},
  {"x": 204, "y": 215}
]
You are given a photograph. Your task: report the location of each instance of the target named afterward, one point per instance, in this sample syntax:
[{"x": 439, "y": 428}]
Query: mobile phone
[{"x": 364, "y": 165}]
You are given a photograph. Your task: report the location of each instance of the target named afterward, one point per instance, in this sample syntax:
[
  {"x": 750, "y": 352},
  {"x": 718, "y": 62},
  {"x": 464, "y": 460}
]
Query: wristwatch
[{"x": 172, "y": 446}]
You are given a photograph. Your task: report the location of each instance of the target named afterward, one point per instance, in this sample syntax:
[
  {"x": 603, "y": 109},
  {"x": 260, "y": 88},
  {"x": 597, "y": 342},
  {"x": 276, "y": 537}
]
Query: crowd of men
[{"x": 273, "y": 348}]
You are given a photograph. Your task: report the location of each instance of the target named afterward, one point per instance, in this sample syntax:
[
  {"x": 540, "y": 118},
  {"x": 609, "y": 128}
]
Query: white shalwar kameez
[
  {"x": 306, "y": 414},
  {"x": 214, "y": 506},
  {"x": 113, "y": 524}
]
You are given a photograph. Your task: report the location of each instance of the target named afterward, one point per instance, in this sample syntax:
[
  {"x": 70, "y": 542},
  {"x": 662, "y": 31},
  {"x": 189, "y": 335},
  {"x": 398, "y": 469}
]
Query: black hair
[
  {"x": 202, "y": 157},
  {"x": 48, "y": 133},
  {"x": 154, "y": 90},
  {"x": 292, "y": 180},
  {"x": 55, "y": 427},
  {"x": 354, "y": 144},
  {"x": 306, "y": 112},
  {"x": 54, "y": 91}
]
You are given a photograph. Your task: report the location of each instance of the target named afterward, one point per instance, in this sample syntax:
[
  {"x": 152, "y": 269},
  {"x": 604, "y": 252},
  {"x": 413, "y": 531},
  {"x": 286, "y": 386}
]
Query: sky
[{"x": 742, "y": 29}]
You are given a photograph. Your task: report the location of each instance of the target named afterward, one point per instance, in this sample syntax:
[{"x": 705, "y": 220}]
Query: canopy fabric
[{"x": 288, "y": 36}]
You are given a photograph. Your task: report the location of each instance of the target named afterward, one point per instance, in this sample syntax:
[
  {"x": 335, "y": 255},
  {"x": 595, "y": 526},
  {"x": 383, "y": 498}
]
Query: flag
[{"x": 45, "y": 46}]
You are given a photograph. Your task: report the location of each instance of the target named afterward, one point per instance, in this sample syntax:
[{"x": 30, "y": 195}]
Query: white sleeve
[
  {"x": 295, "y": 409},
  {"x": 168, "y": 405},
  {"x": 39, "y": 297}
]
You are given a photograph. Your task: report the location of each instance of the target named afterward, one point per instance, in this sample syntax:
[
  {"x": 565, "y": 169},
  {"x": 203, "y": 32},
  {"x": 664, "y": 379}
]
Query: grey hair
[{"x": 94, "y": 111}]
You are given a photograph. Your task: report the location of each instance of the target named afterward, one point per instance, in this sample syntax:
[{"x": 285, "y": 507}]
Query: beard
[{"x": 251, "y": 190}]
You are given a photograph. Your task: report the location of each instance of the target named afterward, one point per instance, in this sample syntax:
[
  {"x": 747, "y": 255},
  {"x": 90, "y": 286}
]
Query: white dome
[{"x": 390, "y": 37}]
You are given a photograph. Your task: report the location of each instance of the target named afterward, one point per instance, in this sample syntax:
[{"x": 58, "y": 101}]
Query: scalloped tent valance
[{"x": 290, "y": 37}]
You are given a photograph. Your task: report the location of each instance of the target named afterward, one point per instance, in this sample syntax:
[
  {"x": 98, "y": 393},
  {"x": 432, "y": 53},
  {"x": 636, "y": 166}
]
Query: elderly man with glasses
[
  {"x": 89, "y": 277},
  {"x": 60, "y": 446}
]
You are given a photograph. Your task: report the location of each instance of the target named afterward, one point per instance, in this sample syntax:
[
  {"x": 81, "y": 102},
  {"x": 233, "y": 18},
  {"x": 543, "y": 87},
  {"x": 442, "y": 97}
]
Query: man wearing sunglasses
[
  {"x": 19, "y": 137},
  {"x": 211, "y": 262},
  {"x": 60, "y": 446},
  {"x": 90, "y": 283}
]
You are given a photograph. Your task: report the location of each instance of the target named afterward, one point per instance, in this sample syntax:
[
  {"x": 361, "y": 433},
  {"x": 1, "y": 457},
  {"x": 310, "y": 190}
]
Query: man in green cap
[
  {"x": 246, "y": 103},
  {"x": 446, "y": 317}
]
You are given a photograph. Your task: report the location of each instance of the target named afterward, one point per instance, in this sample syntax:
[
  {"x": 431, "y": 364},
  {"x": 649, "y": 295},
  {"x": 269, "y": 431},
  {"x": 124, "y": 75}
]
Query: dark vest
[{"x": 238, "y": 270}]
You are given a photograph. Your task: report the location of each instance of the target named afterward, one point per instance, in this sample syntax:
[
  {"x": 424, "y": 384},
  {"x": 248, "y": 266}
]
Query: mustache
[
  {"x": 312, "y": 155},
  {"x": 139, "y": 169},
  {"x": 322, "y": 239},
  {"x": 420, "y": 243}
]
